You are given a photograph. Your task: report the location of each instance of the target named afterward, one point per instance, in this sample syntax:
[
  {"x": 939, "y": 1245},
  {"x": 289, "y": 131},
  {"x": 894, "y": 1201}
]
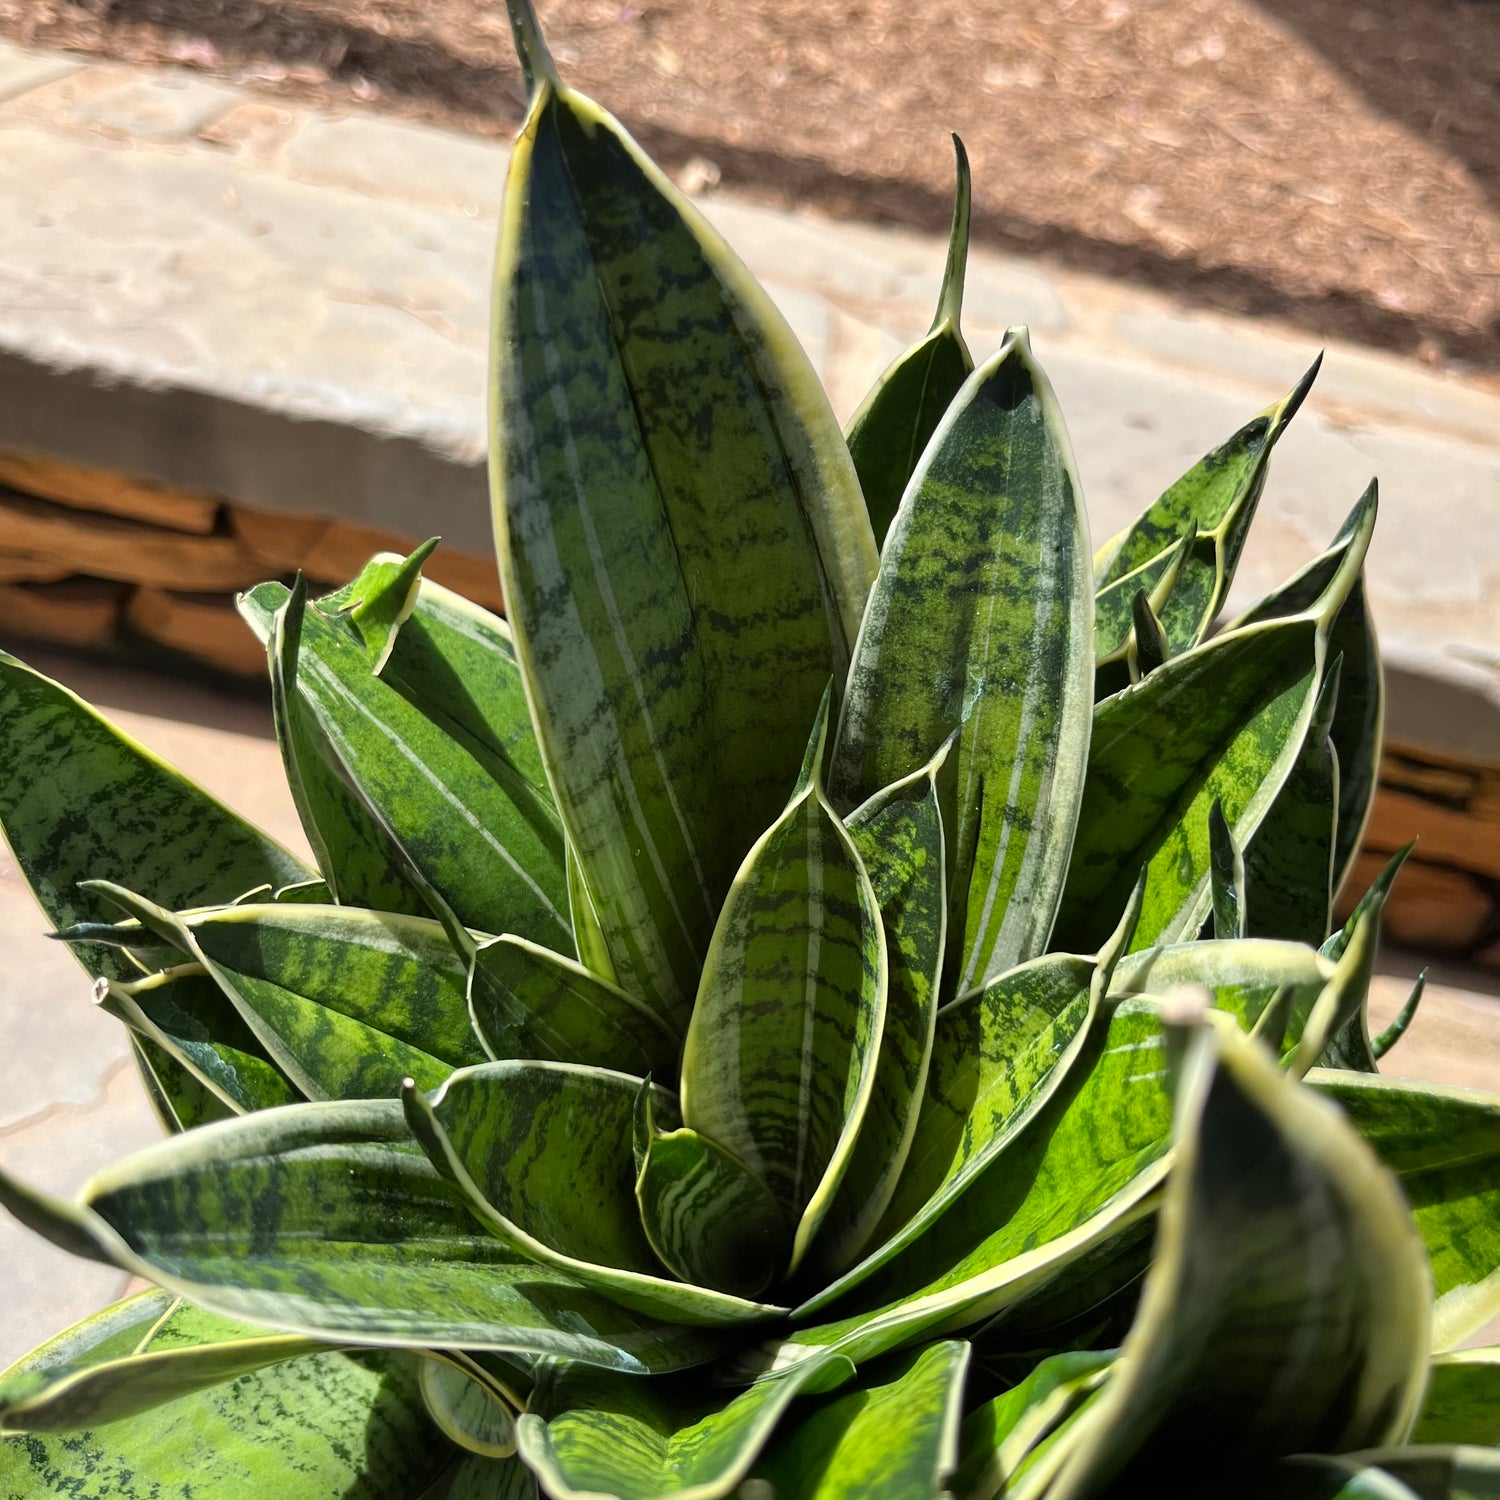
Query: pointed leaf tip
[
  {"x": 531, "y": 47},
  {"x": 950, "y": 300}
]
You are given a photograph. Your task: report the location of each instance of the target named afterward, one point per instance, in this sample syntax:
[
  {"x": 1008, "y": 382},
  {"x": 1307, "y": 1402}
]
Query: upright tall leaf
[
  {"x": 1288, "y": 1303},
  {"x": 981, "y": 622},
  {"x": 899, "y": 836},
  {"x": 780, "y": 1059},
  {"x": 665, "y": 461},
  {"x": 1359, "y": 717},
  {"x": 1225, "y": 721},
  {"x": 1216, "y": 499},
  {"x": 897, "y": 419}
]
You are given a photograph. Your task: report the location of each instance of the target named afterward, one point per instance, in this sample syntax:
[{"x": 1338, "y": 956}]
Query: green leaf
[
  {"x": 331, "y": 1424},
  {"x": 1114, "y": 612},
  {"x": 1287, "y": 1305},
  {"x": 589, "y": 1433},
  {"x": 1444, "y": 1147},
  {"x": 1226, "y": 876},
  {"x": 665, "y": 459},
  {"x": 1359, "y": 718},
  {"x": 895, "y": 422},
  {"x": 1087, "y": 1170},
  {"x": 376, "y": 979},
  {"x": 898, "y": 834},
  {"x": 81, "y": 800},
  {"x": 1404, "y": 1017},
  {"x": 1289, "y": 862},
  {"x": 981, "y": 622},
  {"x": 528, "y": 1002},
  {"x": 897, "y": 1438},
  {"x": 998, "y": 1056},
  {"x": 327, "y": 1220},
  {"x": 471, "y": 1477},
  {"x": 708, "y": 1217},
  {"x": 382, "y": 598},
  {"x": 184, "y": 1013},
  {"x": 1000, "y": 1436},
  {"x": 1339, "y": 1028},
  {"x": 482, "y": 837},
  {"x": 588, "y": 935},
  {"x": 508, "y": 1134},
  {"x": 1216, "y": 499},
  {"x": 467, "y": 1406},
  {"x": 131, "y": 1357},
  {"x": 1463, "y": 1399},
  {"x": 1243, "y": 977},
  {"x": 359, "y": 859},
  {"x": 1225, "y": 721},
  {"x": 780, "y": 1059},
  {"x": 179, "y": 1099}
]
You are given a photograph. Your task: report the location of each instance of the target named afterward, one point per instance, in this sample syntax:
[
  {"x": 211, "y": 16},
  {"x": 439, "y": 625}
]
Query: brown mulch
[{"x": 1335, "y": 162}]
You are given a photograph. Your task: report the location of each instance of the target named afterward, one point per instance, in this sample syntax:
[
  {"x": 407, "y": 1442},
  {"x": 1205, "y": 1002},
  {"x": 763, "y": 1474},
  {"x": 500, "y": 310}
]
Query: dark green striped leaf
[
  {"x": 480, "y": 836},
  {"x": 1289, "y": 861},
  {"x": 183, "y": 1012},
  {"x": 896, "y": 1438},
  {"x": 467, "y": 1406},
  {"x": 131, "y": 1357},
  {"x": 998, "y": 1056},
  {"x": 981, "y": 622},
  {"x": 360, "y": 860},
  {"x": 588, "y": 1433},
  {"x": 1088, "y": 1170},
  {"x": 1359, "y": 716},
  {"x": 780, "y": 1058},
  {"x": 1216, "y": 499},
  {"x": 1287, "y": 1306},
  {"x": 508, "y": 1134},
  {"x": 1444, "y": 1147},
  {"x": 1344, "y": 1041},
  {"x": 899, "y": 836},
  {"x": 895, "y": 422},
  {"x": 709, "y": 1219},
  {"x": 471, "y": 1477},
  {"x": 374, "y": 988},
  {"x": 999, "y": 1437},
  {"x": 665, "y": 460},
  {"x": 1462, "y": 1404},
  {"x": 80, "y": 800},
  {"x": 1225, "y": 721},
  {"x": 528, "y": 1002},
  {"x": 331, "y": 1424},
  {"x": 328, "y": 1220}
]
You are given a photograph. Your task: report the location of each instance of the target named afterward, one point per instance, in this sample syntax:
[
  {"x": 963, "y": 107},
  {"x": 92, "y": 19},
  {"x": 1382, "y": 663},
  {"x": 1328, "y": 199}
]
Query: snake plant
[{"x": 778, "y": 1016}]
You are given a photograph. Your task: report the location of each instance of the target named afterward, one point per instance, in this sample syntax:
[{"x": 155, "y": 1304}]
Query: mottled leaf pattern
[
  {"x": 1287, "y": 1305},
  {"x": 332, "y": 1424},
  {"x": 780, "y": 1059},
  {"x": 899, "y": 836},
  {"x": 981, "y": 622},
  {"x": 712, "y": 546}
]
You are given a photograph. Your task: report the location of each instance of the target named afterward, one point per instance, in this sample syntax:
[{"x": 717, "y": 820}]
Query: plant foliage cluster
[{"x": 836, "y": 997}]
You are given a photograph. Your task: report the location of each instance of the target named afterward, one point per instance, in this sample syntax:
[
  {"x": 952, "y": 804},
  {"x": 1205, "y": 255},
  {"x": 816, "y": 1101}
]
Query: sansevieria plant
[{"x": 779, "y": 1016}]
